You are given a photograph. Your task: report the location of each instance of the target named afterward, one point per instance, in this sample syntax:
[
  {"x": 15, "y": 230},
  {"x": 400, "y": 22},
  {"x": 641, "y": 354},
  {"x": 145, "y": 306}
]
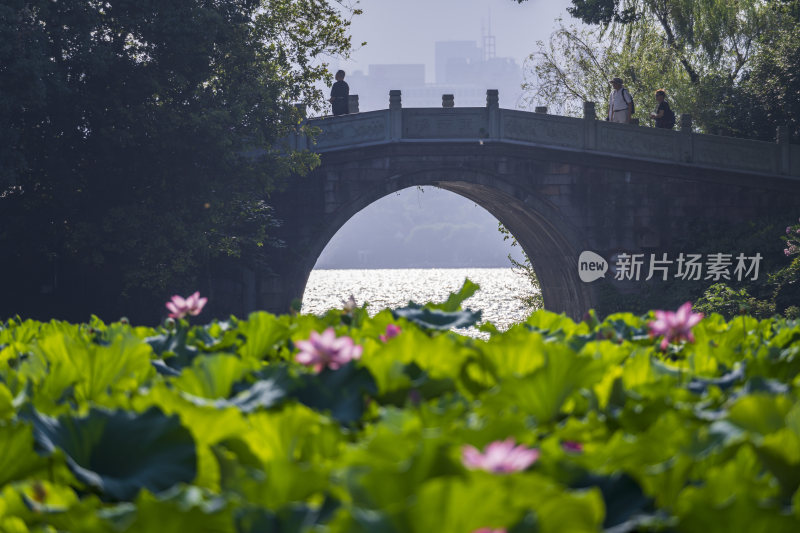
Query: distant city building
[
  {"x": 452, "y": 56},
  {"x": 462, "y": 68},
  {"x": 403, "y": 74}
]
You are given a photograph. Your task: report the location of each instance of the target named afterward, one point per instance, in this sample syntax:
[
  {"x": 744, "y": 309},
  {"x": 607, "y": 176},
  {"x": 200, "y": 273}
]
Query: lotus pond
[{"x": 392, "y": 423}]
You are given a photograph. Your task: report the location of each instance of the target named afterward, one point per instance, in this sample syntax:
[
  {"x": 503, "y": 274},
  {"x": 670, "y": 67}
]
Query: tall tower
[{"x": 489, "y": 45}]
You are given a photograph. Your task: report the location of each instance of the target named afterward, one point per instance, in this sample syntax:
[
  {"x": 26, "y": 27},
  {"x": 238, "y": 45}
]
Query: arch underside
[
  {"x": 548, "y": 240},
  {"x": 553, "y": 255}
]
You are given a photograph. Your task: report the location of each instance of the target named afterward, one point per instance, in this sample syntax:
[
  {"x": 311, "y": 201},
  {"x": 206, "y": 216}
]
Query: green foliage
[
  {"x": 140, "y": 139},
  {"x": 778, "y": 295},
  {"x": 533, "y": 300},
  {"x": 238, "y": 437},
  {"x": 730, "y": 64},
  {"x": 722, "y": 299},
  {"x": 119, "y": 453}
]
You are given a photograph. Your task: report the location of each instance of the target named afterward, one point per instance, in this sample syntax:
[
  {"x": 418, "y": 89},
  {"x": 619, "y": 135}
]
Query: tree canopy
[
  {"x": 139, "y": 140},
  {"x": 730, "y": 63}
]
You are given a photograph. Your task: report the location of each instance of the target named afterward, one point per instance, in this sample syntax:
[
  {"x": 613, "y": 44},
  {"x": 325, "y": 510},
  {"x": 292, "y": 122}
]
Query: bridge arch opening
[
  {"x": 419, "y": 244},
  {"x": 507, "y": 186}
]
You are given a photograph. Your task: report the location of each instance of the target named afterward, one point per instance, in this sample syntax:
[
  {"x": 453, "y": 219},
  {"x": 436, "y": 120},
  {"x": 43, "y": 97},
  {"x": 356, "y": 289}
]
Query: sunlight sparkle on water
[{"x": 498, "y": 298}]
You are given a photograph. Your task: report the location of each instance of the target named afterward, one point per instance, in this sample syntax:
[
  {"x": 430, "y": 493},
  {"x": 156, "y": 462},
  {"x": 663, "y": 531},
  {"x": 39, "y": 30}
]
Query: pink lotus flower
[
  {"x": 570, "y": 446},
  {"x": 392, "y": 331},
  {"x": 788, "y": 230},
  {"x": 326, "y": 351},
  {"x": 675, "y": 326},
  {"x": 180, "y": 307},
  {"x": 499, "y": 457}
]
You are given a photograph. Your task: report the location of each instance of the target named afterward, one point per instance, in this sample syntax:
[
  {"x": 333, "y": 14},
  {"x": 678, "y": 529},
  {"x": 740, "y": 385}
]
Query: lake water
[{"x": 498, "y": 298}]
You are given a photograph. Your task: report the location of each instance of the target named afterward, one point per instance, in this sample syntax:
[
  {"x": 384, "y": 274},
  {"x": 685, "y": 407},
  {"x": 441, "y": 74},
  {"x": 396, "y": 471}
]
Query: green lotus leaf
[
  {"x": 217, "y": 336},
  {"x": 760, "y": 413},
  {"x": 117, "y": 452},
  {"x": 174, "y": 348},
  {"x": 543, "y": 392},
  {"x": 208, "y": 421},
  {"x": 6, "y": 402},
  {"x": 295, "y": 517},
  {"x": 455, "y": 299},
  {"x": 487, "y": 506},
  {"x": 178, "y": 510},
  {"x": 436, "y": 319},
  {"x": 272, "y": 388},
  {"x": 734, "y": 496},
  {"x": 262, "y": 332},
  {"x": 67, "y": 365},
  {"x": 624, "y": 500},
  {"x": 46, "y": 506},
  {"x": 359, "y": 520},
  {"x": 262, "y": 394},
  {"x": 500, "y": 502},
  {"x": 294, "y": 432},
  {"x": 164, "y": 369},
  {"x": 342, "y": 391},
  {"x": 17, "y": 459},
  {"x": 761, "y": 384},
  {"x": 211, "y": 376},
  {"x": 700, "y": 385}
]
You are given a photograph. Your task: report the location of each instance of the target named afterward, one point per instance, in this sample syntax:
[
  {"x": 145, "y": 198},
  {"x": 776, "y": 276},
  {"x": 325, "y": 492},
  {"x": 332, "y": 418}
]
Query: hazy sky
[{"x": 404, "y": 31}]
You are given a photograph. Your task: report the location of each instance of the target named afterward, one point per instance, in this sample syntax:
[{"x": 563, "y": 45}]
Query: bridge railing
[{"x": 492, "y": 124}]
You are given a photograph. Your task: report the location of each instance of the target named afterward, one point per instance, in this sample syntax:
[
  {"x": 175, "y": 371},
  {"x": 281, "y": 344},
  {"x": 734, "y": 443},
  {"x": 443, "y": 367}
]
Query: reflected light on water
[{"x": 498, "y": 298}]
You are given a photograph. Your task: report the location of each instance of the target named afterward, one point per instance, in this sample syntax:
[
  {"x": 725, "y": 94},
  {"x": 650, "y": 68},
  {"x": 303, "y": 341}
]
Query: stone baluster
[
  {"x": 589, "y": 125},
  {"x": 686, "y": 122},
  {"x": 492, "y": 98},
  {"x": 589, "y": 112},
  {"x": 635, "y": 121},
  {"x": 448, "y": 101},
  {"x": 352, "y": 103},
  {"x": 541, "y": 109},
  {"x": 395, "y": 99},
  {"x": 493, "y": 112},
  {"x": 395, "y": 115}
]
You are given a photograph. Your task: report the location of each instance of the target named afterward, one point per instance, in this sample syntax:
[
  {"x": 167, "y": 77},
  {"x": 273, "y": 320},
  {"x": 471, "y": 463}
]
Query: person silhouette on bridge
[
  {"x": 620, "y": 103},
  {"x": 665, "y": 117},
  {"x": 340, "y": 94}
]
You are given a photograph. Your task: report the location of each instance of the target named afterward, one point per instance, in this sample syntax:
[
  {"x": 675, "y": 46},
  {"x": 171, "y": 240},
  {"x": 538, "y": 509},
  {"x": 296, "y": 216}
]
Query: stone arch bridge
[{"x": 561, "y": 185}]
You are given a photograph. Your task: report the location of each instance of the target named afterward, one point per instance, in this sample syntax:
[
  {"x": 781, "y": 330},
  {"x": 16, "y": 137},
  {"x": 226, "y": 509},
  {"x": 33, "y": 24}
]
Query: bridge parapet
[{"x": 492, "y": 124}]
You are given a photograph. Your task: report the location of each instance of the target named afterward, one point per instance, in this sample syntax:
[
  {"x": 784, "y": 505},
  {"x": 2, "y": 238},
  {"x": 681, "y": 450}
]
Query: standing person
[
  {"x": 340, "y": 94},
  {"x": 620, "y": 103},
  {"x": 665, "y": 117}
]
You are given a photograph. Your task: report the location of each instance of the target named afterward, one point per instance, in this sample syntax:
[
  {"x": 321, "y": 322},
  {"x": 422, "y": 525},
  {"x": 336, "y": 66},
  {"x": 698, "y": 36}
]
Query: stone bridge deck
[{"x": 588, "y": 135}]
